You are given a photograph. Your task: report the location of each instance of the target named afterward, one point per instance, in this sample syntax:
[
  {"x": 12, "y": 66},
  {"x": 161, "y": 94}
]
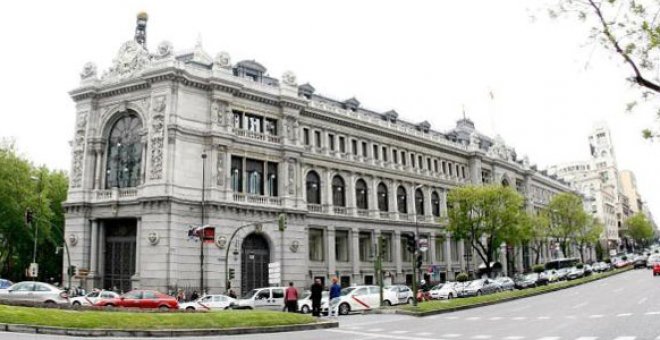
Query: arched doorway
[{"x": 255, "y": 256}]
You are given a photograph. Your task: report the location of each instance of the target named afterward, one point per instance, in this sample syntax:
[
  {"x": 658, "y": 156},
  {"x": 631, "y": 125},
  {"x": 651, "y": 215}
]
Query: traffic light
[
  {"x": 71, "y": 271},
  {"x": 419, "y": 261},
  {"x": 231, "y": 273},
  {"x": 411, "y": 243},
  {"x": 28, "y": 216},
  {"x": 281, "y": 222}
]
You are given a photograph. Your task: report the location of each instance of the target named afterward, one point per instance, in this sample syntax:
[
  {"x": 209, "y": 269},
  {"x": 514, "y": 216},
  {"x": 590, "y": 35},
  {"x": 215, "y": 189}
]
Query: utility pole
[
  {"x": 379, "y": 267},
  {"x": 202, "y": 235}
]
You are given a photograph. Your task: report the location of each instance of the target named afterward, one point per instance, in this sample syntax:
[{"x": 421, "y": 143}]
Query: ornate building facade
[{"x": 343, "y": 175}]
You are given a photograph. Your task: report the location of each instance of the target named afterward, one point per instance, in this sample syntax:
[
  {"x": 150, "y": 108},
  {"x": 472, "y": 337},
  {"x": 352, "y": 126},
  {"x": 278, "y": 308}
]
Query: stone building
[{"x": 343, "y": 175}]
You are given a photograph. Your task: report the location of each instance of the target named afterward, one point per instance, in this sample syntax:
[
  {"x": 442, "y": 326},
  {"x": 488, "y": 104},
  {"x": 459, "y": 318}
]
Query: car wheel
[
  {"x": 344, "y": 309},
  {"x": 387, "y": 303},
  {"x": 163, "y": 308},
  {"x": 304, "y": 309},
  {"x": 76, "y": 304},
  {"x": 478, "y": 293},
  {"x": 49, "y": 303},
  {"x": 410, "y": 301},
  {"x": 110, "y": 306},
  {"x": 190, "y": 309}
]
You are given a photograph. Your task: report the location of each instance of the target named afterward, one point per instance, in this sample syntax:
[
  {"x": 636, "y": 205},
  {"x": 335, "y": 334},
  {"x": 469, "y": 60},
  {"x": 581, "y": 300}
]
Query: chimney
[{"x": 141, "y": 29}]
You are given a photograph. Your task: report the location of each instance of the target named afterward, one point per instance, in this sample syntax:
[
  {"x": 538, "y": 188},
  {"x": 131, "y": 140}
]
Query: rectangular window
[
  {"x": 395, "y": 156},
  {"x": 463, "y": 171},
  {"x": 406, "y": 255},
  {"x": 384, "y": 152},
  {"x": 341, "y": 245},
  {"x": 364, "y": 149},
  {"x": 354, "y": 146},
  {"x": 458, "y": 173},
  {"x": 365, "y": 246},
  {"x": 238, "y": 121},
  {"x": 454, "y": 250},
  {"x": 255, "y": 176},
  {"x": 331, "y": 141},
  {"x": 444, "y": 167},
  {"x": 428, "y": 164},
  {"x": 271, "y": 126},
  {"x": 420, "y": 162},
  {"x": 271, "y": 184},
  {"x": 435, "y": 165},
  {"x": 342, "y": 144},
  {"x": 306, "y": 136},
  {"x": 317, "y": 139},
  {"x": 403, "y": 158},
  {"x": 376, "y": 157},
  {"x": 316, "y": 244},
  {"x": 412, "y": 160},
  {"x": 253, "y": 123},
  {"x": 387, "y": 247},
  {"x": 237, "y": 174},
  {"x": 439, "y": 249},
  {"x": 451, "y": 169}
]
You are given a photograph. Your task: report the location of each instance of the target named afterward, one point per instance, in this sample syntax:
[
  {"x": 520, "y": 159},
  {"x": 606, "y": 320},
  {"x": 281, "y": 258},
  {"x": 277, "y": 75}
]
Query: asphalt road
[{"x": 623, "y": 307}]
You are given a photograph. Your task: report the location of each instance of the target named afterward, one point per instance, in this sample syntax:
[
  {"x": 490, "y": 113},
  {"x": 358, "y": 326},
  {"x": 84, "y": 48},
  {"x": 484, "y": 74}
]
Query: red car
[
  {"x": 656, "y": 269},
  {"x": 141, "y": 299}
]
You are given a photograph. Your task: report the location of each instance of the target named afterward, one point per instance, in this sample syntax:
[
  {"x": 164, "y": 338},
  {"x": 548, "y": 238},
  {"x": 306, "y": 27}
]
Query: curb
[
  {"x": 18, "y": 328},
  {"x": 483, "y": 304}
]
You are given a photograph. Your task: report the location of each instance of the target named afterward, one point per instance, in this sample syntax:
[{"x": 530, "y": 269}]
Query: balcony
[
  {"x": 264, "y": 137},
  {"x": 115, "y": 194},
  {"x": 340, "y": 210},
  {"x": 316, "y": 208},
  {"x": 384, "y": 215},
  {"x": 363, "y": 212},
  {"x": 257, "y": 199}
]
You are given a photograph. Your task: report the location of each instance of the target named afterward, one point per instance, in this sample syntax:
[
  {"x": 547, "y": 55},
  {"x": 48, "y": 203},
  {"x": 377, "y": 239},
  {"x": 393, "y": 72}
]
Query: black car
[
  {"x": 639, "y": 262},
  {"x": 530, "y": 280}
]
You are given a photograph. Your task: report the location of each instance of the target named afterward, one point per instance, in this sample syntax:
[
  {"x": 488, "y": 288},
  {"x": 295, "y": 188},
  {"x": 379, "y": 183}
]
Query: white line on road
[
  {"x": 399, "y": 332},
  {"x": 495, "y": 318},
  {"x": 587, "y": 338},
  {"x": 652, "y": 313},
  {"x": 520, "y": 318},
  {"x": 580, "y": 305},
  {"x": 380, "y": 336},
  {"x": 595, "y": 316},
  {"x": 474, "y": 318},
  {"x": 624, "y": 314},
  {"x": 482, "y": 337},
  {"x": 514, "y": 337},
  {"x": 625, "y": 338},
  {"x": 375, "y": 330},
  {"x": 642, "y": 300},
  {"x": 451, "y": 335},
  {"x": 451, "y": 317},
  {"x": 549, "y": 338}
]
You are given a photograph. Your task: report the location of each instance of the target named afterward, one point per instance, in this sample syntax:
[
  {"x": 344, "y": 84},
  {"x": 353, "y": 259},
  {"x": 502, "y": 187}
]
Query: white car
[
  {"x": 208, "y": 303},
  {"x": 262, "y": 298},
  {"x": 551, "y": 274},
  {"x": 444, "y": 291},
  {"x": 358, "y": 298},
  {"x": 91, "y": 298},
  {"x": 396, "y": 295},
  {"x": 305, "y": 304},
  {"x": 40, "y": 292}
]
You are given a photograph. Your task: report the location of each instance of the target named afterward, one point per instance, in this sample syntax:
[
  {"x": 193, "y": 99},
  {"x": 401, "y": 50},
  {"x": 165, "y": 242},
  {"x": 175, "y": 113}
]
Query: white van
[{"x": 262, "y": 298}]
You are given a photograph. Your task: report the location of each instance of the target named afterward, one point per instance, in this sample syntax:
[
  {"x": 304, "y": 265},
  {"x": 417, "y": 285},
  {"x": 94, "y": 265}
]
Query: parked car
[
  {"x": 656, "y": 269},
  {"x": 639, "y": 262},
  {"x": 588, "y": 270},
  {"x": 506, "y": 283},
  {"x": 31, "y": 291},
  {"x": 552, "y": 275},
  {"x": 399, "y": 294},
  {"x": 208, "y": 303},
  {"x": 262, "y": 298},
  {"x": 93, "y": 297},
  {"x": 562, "y": 273},
  {"x": 652, "y": 260},
  {"x": 530, "y": 280},
  {"x": 4, "y": 284},
  {"x": 358, "y": 298},
  {"x": 480, "y": 287},
  {"x": 444, "y": 290},
  {"x": 141, "y": 299},
  {"x": 575, "y": 273},
  {"x": 305, "y": 303}
]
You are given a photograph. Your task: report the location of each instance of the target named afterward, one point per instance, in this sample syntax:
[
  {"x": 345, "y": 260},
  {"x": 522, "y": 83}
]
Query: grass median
[
  {"x": 432, "y": 307},
  {"x": 147, "y": 321}
]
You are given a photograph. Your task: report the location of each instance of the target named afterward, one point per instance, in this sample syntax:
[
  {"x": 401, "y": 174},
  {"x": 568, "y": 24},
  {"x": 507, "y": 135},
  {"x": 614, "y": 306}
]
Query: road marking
[
  {"x": 514, "y": 337},
  {"x": 543, "y": 318},
  {"x": 375, "y": 330},
  {"x": 595, "y": 316},
  {"x": 494, "y": 318},
  {"x": 549, "y": 338},
  {"x": 587, "y": 338},
  {"x": 482, "y": 337},
  {"x": 642, "y": 300},
  {"x": 625, "y": 338},
  {"x": 580, "y": 305},
  {"x": 473, "y": 318},
  {"x": 624, "y": 314},
  {"x": 652, "y": 313},
  {"x": 380, "y": 336},
  {"x": 451, "y": 335},
  {"x": 520, "y": 318},
  {"x": 399, "y": 332}
]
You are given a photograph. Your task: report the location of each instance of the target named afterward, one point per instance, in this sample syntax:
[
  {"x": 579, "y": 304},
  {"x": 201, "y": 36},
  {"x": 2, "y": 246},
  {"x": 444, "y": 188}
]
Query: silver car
[{"x": 38, "y": 292}]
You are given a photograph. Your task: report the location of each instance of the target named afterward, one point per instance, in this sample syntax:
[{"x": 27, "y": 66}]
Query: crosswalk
[{"x": 379, "y": 333}]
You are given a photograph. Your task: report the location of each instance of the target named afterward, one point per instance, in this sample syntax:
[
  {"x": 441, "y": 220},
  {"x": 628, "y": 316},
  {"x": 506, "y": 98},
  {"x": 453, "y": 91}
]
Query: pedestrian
[
  {"x": 194, "y": 296},
  {"x": 317, "y": 291},
  {"x": 335, "y": 293},
  {"x": 181, "y": 296},
  {"x": 232, "y": 294},
  {"x": 291, "y": 299}
]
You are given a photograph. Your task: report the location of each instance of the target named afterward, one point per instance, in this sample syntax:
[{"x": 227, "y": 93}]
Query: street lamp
[
  {"x": 416, "y": 252},
  {"x": 36, "y": 226},
  {"x": 202, "y": 231}
]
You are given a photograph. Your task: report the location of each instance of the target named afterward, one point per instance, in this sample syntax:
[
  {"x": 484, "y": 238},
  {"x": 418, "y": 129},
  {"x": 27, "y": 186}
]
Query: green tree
[
  {"x": 640, "y": 229},
  {"x": 485, "y": 216},
  {"x": 22, "y": 187},
  {"x": 534, "y": 231},
  {"x": 566, "y": 217},
  {"x": 588, "y": 235},
  {"x": 628, "y": 28}
]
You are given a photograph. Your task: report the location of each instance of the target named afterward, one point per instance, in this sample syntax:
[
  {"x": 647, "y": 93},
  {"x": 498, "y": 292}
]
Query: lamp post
[
  {"x": 416, "y": 252},
  {"x": 201, "y": 243},
  {"x": 36, "y": 226}
]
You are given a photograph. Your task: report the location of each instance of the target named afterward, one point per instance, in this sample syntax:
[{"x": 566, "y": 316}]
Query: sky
[{"x": 428, "y": 60}]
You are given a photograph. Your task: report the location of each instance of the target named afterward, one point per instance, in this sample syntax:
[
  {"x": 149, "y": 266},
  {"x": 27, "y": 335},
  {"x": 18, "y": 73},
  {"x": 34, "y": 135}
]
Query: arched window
[
  {"x": 401, "y": 200},
  {"x": 361, "y": 194},
  {"x": 383, "y": 202},
  {"x": 419, "y": 202},
  {"x": 124, "y": 153},
  {"x": 313, "y": 188},
  {"x": 338, "y": 192},
  {"x": 435, "y": 204}
]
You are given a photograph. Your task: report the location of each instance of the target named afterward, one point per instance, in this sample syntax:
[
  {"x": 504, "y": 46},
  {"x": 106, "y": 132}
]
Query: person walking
[
  {"x": 317, "y": 291},
  {"x": 335, "y": 293},
  {"x": 232, "y": 294},
  {"x": 291, "y": 299},
  {"x": 194, "y": 296}
]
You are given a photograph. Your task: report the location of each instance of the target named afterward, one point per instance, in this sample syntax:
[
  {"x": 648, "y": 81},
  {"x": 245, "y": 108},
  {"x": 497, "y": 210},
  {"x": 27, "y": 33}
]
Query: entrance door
[
  {"x": 255, "y": 257},
  {"x": 119, "y": 259}
]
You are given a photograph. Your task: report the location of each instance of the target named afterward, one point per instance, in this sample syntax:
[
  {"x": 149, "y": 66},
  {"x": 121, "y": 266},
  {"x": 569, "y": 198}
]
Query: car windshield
[
  {"x": 249, "y": 294},
  {"x": 347, "y": 291}
]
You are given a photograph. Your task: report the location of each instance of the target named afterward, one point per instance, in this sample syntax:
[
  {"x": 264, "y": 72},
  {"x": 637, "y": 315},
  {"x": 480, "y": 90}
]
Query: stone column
[
  {"x": 432, "y": 248},
  {"x": 349, "y": 195},
  {"x": 461, "y": 255},
  {"x": 474, "y": 165},
  {"x": 502, "y": 260},
  {"x": 325, "y": 145},
  {"x": 372, "y": 196},
  {"x": 448, "y": 259},
  {"x": 428, "y": 215},
  {"x": 391, "y": 199},
  {"x": 355, "y": 254},
  {"x": 93, "y": 250},
  {"x": 410, "y": 199},
  {"x": 330, "y": 246},
  {"x": 138, "y": 251},
  {"x": 397, "y": 251},
  {"x": 326, "y": 190},
  {"x": 98, "y": 170}
]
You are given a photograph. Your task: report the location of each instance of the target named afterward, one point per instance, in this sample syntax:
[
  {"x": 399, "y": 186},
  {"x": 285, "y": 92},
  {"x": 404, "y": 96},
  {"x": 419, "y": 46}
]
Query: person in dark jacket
[{"x": 317, "y": 292}]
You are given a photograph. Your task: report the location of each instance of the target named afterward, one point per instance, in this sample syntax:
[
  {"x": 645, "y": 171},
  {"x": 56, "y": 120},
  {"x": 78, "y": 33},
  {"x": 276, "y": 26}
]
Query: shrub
[
  {"x": 538, "y": 268},
  {"x": 579, "y": 265},
  {"x": 462, "y": 277}
]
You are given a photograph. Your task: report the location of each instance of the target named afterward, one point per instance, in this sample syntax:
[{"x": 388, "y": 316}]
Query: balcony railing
[
  {"x": 116, "y": 194},
  {"x": 384, "y": 215},
  {"x": 257, "y": 199},
  {"x": 317, "y": 208},
  {"x": 258, "y": 136},
  {"x": 363, "y": 212},
  {"x": 339, "y": 210}
]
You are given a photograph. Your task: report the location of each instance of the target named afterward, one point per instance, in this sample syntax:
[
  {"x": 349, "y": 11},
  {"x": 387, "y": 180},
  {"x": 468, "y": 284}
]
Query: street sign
[
  {"x": 33, "y": 270},
  {"x": 423, "y": 244},
  {"x": 274, "y": 273}
]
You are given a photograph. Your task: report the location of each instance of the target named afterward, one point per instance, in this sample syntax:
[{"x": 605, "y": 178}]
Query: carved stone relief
[
  {"x": 221, "y": 168},
  {"x": 88, "y": 71},
  {"x": 157, "y": 136},
  {"x": 220, "y": 111},
  {"x": 292, "y": 177},
  {"x": 78, "y": 150},
  {"x": 131, "y": 58}
]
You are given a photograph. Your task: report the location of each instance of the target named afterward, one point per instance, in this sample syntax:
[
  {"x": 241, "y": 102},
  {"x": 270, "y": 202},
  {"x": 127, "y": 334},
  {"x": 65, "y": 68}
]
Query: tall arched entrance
[{"x": 255, "y": 256}]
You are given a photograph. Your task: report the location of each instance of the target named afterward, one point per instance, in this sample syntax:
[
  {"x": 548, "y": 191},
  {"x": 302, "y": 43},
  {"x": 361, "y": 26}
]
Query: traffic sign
[
  {"x": 274, "y": 273},
  {"x": 33, "y": 271}
]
